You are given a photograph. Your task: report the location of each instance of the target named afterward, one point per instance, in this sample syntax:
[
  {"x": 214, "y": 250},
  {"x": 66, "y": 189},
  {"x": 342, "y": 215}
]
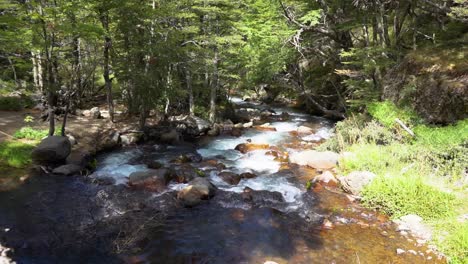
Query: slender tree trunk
[
  {"x": 15, "y": 77},
  {"x": 188, "y": 79},
  {"x": 214, "y": 88},
  {"x": 106, "y": 74}
]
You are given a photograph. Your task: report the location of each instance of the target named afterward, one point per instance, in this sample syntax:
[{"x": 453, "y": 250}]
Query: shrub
[
  {"x": 16, "y": 154},
  {"x": 11, "y": 103},
  {"x": 30, "y": 133}
]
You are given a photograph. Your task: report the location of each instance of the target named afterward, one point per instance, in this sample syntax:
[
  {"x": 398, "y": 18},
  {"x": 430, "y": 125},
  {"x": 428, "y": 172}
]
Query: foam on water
[
  {"x": 116, "y": 166},
  {"x": 322, "y": 133}
]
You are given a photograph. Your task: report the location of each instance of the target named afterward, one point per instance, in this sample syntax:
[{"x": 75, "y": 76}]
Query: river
[{"x": 47, "y": 220}]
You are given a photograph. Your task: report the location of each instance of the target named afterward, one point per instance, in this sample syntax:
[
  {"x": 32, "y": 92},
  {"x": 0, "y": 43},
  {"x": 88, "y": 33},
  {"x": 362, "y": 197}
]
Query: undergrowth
[
  {"x": 15, "y": 153},
  {"x": 410, "y": 169}
]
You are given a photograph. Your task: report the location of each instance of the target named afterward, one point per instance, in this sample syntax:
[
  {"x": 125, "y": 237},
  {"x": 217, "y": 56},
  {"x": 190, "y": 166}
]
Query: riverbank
[{"x": 424, "y": 174}]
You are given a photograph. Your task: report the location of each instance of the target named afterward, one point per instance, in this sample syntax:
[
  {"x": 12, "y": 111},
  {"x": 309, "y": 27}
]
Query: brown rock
[
  {"x": 230, "y": 177},
  {"x": 151, "y": 180},
  {"x": 247, "y": 175},
  {"x": 247, "y": 147}
]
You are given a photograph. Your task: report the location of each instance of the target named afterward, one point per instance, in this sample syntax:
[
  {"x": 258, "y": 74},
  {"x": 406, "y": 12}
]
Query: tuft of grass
[
  {"x": 402, "y": 195},
  {"x": 15, "y": 153},
  {"x": 31, "y": 133},
  {"x": 452, "y": 238}
]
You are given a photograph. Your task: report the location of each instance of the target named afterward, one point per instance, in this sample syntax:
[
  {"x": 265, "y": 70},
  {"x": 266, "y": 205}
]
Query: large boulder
[
  {"x": 52, "y": 150},
  {"x": 315, "y": 159},
  {"x": 151, "y": 180},
  {"x": 355, "y": 182},
  {"x": 191, "y": 125},
  {"x": 198, "y": 189}
]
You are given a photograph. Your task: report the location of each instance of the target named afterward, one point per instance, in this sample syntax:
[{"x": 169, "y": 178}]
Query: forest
[{"x": 158, "y": 131}]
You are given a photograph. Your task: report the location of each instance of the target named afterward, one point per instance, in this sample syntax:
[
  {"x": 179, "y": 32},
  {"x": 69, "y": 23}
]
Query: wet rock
[
  {"x": 327, "y": 224},
  {"x": 171, "y": 137},
  {"x": 356, "y": 181},
  {"x": 262, "y": 197},
  {"x": 305, "y": 130},
  {"x": 284, "y": 116},
  {"x": 214, "y": 131},
  {"x": 247, "y": 125},
  {"x": 266, "y": 113},
  {"x": 51, "y": 150},
  {"x": 79, "y": 157},
  {"x": 326, "y": 177},
  {"x": 103, "y": 180},
  {"x": 151, "y": 180},
  {"x": 198, "y": 190},
  {"x": 230, "y": 177},
  {"x": 248, "y": 175},
  {"x": 153, "y": 164},
  {"x": 315, "y": 159},
  {"x": 236, "y": 132},
  {"x": 186, "y": 173},
  {"x": 265, "y": 127},
  {"x": 189, "y": 157},
  {"x": 414, "y": 224},
  {"x": 190, "y": 125},
  {"x": 130, "y": 139},
  {"x": 67, "y": 170},
  {"x": 247, "y": 147},
  {"x": 109, "y": 141},
  {"x": 94, "y": 113}
]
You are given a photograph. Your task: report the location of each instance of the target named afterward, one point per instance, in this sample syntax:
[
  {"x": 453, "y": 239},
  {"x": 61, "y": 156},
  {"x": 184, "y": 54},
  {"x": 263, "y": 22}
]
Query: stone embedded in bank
[{"x": 315, "y": 159}]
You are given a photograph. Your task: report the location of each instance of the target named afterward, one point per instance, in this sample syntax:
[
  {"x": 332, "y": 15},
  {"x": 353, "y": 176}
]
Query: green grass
[
  {"x": 420, "y": 175},
  {"x": 402, "y": 195},
  {"x": 15, "y": 153},
  {"x": 452, "y": 239}
]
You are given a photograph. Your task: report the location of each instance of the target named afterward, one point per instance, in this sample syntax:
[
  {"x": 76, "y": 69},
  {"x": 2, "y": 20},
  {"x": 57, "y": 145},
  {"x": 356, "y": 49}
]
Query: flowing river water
[{"x": 284, "y": 222}]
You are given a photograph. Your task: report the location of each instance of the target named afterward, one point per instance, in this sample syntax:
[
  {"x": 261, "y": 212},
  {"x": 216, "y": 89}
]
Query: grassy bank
[{"x": 423, "y": 174}]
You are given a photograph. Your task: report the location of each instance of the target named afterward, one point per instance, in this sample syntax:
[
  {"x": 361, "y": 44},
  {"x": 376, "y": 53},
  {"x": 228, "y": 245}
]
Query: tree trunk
[
  {"x": 106, "y": 74},
  {"x": 214, "y": 88},
  {"x": 188, "y": 78},
  {"x": 15, "y": 77}
]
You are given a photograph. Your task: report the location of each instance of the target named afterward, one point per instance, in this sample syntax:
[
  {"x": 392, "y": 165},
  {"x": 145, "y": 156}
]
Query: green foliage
[
  {"x": 308, "y": 185},
  {"x": 357, "y": 129},
  {"x": 387, "y": 112},
  {"x": 31, "y": 133},
  {"x": 200, "y": 173},
  {"x": 11, "y": 104},
  {"x": 15, "y": 153},
  {"x": 402, "y": 195}
]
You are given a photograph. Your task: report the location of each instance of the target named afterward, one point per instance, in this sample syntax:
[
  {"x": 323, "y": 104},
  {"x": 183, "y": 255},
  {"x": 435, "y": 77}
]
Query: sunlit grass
[{"x": 16, "y": 153}]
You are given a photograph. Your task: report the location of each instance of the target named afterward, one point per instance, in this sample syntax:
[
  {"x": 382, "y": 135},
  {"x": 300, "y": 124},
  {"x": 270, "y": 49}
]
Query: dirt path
[{"x": 11, "y": 121}]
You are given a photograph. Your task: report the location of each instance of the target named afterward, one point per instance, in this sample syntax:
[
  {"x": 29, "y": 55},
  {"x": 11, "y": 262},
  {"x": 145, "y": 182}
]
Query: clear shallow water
[{"x": 227, "y": 229}]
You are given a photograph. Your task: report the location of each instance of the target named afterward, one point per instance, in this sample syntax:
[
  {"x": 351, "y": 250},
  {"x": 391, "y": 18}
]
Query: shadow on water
[
  {"x": 66, "y": 220},
  {"x": 213, "y": 234}
]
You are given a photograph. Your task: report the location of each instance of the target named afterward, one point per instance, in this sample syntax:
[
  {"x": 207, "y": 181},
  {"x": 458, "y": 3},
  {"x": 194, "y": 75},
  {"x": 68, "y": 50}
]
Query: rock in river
[
  {"x": 230, "y": 177},
  {"x": 315, "y": 159},
  {"x": 198, "y": 189},
  {"x": 151, "y": 180}
]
